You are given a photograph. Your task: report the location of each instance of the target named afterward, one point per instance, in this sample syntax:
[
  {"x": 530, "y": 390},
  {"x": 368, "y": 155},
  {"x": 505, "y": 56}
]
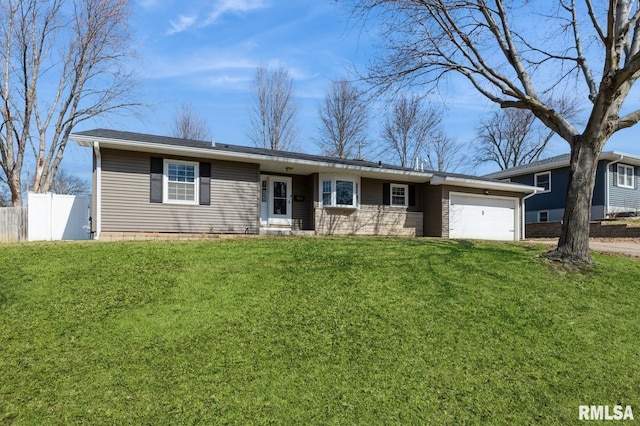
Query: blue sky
[{"x": 206, "y": 53}]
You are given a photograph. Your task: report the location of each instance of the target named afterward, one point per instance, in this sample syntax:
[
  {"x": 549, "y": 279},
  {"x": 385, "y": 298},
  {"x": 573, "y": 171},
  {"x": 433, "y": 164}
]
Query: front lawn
[{"x": 312, "y": 331}]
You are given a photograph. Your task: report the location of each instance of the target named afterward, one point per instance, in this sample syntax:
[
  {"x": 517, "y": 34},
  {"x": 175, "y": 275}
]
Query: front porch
[{"x": 289, "y": 205}]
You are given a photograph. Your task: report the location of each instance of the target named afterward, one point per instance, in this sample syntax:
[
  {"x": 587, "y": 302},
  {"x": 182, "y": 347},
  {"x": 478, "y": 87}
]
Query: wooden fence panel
[{"x": 13, "y": 224}]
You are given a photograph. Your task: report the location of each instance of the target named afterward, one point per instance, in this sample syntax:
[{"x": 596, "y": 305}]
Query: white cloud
[
  {"x": 190, "y": 63},
  {"x": 220, "y": 8},
  {"x": 229, "y": 81},
  {"x": 184, "y": 23},
  {"x": 232, "y": 6}
]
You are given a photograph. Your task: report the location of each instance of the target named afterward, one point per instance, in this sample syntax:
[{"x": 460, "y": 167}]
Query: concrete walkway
[{"x": 623, "y": 246}]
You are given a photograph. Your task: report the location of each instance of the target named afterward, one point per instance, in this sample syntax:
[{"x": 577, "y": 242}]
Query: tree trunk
[
  {"x": 15, "y": 187},
  {"x": 573, "y": 246}
]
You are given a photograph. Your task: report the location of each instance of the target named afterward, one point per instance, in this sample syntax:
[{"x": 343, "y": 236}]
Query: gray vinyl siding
[
  {"x": 621, "y": 198},
  {"x": 126, "y": 206}
]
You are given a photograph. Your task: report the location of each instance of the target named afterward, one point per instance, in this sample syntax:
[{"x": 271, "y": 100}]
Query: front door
[{"x": 276, "y": 191}]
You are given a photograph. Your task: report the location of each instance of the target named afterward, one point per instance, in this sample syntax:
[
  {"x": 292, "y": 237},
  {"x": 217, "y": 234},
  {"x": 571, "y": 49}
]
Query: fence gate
[{"x": 58, "y": 217}]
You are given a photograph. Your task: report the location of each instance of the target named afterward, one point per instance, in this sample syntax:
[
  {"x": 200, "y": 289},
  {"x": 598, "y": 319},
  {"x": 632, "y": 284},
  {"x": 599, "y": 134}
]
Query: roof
[
  {"x": 560, "y": 161},
  {"x": 280, "y": 161},
  {"x": 166, "y": 140}
]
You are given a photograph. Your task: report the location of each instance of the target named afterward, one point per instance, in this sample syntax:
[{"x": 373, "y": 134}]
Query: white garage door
[{"x": 485, "y": 218}]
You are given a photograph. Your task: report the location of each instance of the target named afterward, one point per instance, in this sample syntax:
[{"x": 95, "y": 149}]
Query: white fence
[
  {"x": 58, "y": 217},
  {"x": 13, "y": 224}
]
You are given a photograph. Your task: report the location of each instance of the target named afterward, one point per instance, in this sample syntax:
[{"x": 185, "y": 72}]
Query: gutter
[
  {"x": 606, "y": 184},
  {"x": 504, "y": 174},
  {"x": 482, "y": 184},
  {"x": 523, "y": 210},
  {"x": 98, "y": 218}
]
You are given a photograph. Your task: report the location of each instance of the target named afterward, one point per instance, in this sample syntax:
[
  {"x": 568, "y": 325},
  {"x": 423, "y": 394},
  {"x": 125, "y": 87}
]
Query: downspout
[
  {"x": 606, "y": 185},
  {"x": 523, "y": 211},
  {"x": 98, "y": 189}
]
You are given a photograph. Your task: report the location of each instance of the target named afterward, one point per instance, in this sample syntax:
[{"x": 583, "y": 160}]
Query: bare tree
[
  {"x": 445, "y": 154},
  {"x": 189, "y": 124},
  {"x": 522, "y": 55},
  {"x": 68, "y": 184},
  {"x": 343, "y": 120},
  {"x": 272, "y": 122},
  {"x": 407, "y": 128},
  {"x": 510, "y": 138},
  {"x": 63, "y": 62},
  {"x": 5, "y": 195}
]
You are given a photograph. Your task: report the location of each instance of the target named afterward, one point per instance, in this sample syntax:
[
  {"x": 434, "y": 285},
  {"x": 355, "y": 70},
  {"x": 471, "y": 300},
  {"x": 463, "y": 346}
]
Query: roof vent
[{"x": 213, "y": 143}]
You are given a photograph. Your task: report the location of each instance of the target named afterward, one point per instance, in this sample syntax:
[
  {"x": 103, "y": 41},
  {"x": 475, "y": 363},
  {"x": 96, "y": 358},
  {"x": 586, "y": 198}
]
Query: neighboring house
[
  {"x": 616, "y": 190},
  {"x": 154, "y": 184}
]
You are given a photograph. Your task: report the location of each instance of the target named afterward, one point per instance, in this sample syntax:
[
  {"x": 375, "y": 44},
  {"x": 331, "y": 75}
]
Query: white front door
[{"x": 275, "y": 201}]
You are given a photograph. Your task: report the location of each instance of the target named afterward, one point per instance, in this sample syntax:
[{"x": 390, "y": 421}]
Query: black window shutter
[
  {"x": 386, "y": 194},
  {"x": 205, "y": 184},
  {"x": 412, "y": 195},
  {"x": 155, "y": 193}
]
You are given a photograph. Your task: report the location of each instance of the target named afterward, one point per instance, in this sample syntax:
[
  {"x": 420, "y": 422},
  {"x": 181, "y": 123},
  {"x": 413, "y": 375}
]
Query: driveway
[{"x": 623, "y": 246}]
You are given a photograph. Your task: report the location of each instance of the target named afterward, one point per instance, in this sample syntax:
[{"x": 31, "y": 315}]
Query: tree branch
[
  {"x": 628, "y": 120},
  {"x": 594, "y": 21},
  {"x": 582, "y": 59}
]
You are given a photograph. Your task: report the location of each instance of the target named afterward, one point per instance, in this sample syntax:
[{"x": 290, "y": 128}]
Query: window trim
[
  {"x": 406, "y": 195},
  {"x": 323, "y": 192},
  {"x": 196, "y": 182},
  {"x": 535, "y": 181},
  {"x": 626, "y": 167},
  {"x": 540, "y": 213},
  {"x": 355, "y": 181}
]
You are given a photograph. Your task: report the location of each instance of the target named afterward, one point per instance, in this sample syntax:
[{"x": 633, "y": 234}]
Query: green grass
[{"x": 312, "y": 331}]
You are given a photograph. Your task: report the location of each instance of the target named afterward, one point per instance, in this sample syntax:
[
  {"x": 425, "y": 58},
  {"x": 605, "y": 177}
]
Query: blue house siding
[
  {"x": 622, "y": 199},
  {"x": 608, "y": 196},
  {"x": 599, "y": 191},
  {"x": 554, "y": 201}
]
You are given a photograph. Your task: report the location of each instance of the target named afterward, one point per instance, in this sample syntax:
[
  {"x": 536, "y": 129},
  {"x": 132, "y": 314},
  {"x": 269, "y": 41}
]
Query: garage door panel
[{"x": 488, "y": 218}]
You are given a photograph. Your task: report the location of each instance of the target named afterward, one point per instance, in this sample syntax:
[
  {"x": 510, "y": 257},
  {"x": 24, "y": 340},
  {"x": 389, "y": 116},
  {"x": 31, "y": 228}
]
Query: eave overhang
[{"x": 484, "y": 184}]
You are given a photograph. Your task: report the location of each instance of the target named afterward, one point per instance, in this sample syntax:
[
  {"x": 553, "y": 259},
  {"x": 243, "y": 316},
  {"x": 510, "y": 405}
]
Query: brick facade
[{"x": 368, "y": 220}]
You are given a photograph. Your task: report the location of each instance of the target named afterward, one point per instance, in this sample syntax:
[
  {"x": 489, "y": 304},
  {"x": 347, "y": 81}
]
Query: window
[
  {"x": 326, "y": 192},
  {"x": 543, "y": 180},
  {"x": 543, "y": 216},
  {"x": 345, "y": 191},
  {"x": 280, "y": 197},
  {"x": 264, "y": 191},
  {"x": 181, "y": 180},
  {"x": 339, "y": 193},
  {"x": 399, "y": 195},
  {"x": 625, "y": 176}
]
